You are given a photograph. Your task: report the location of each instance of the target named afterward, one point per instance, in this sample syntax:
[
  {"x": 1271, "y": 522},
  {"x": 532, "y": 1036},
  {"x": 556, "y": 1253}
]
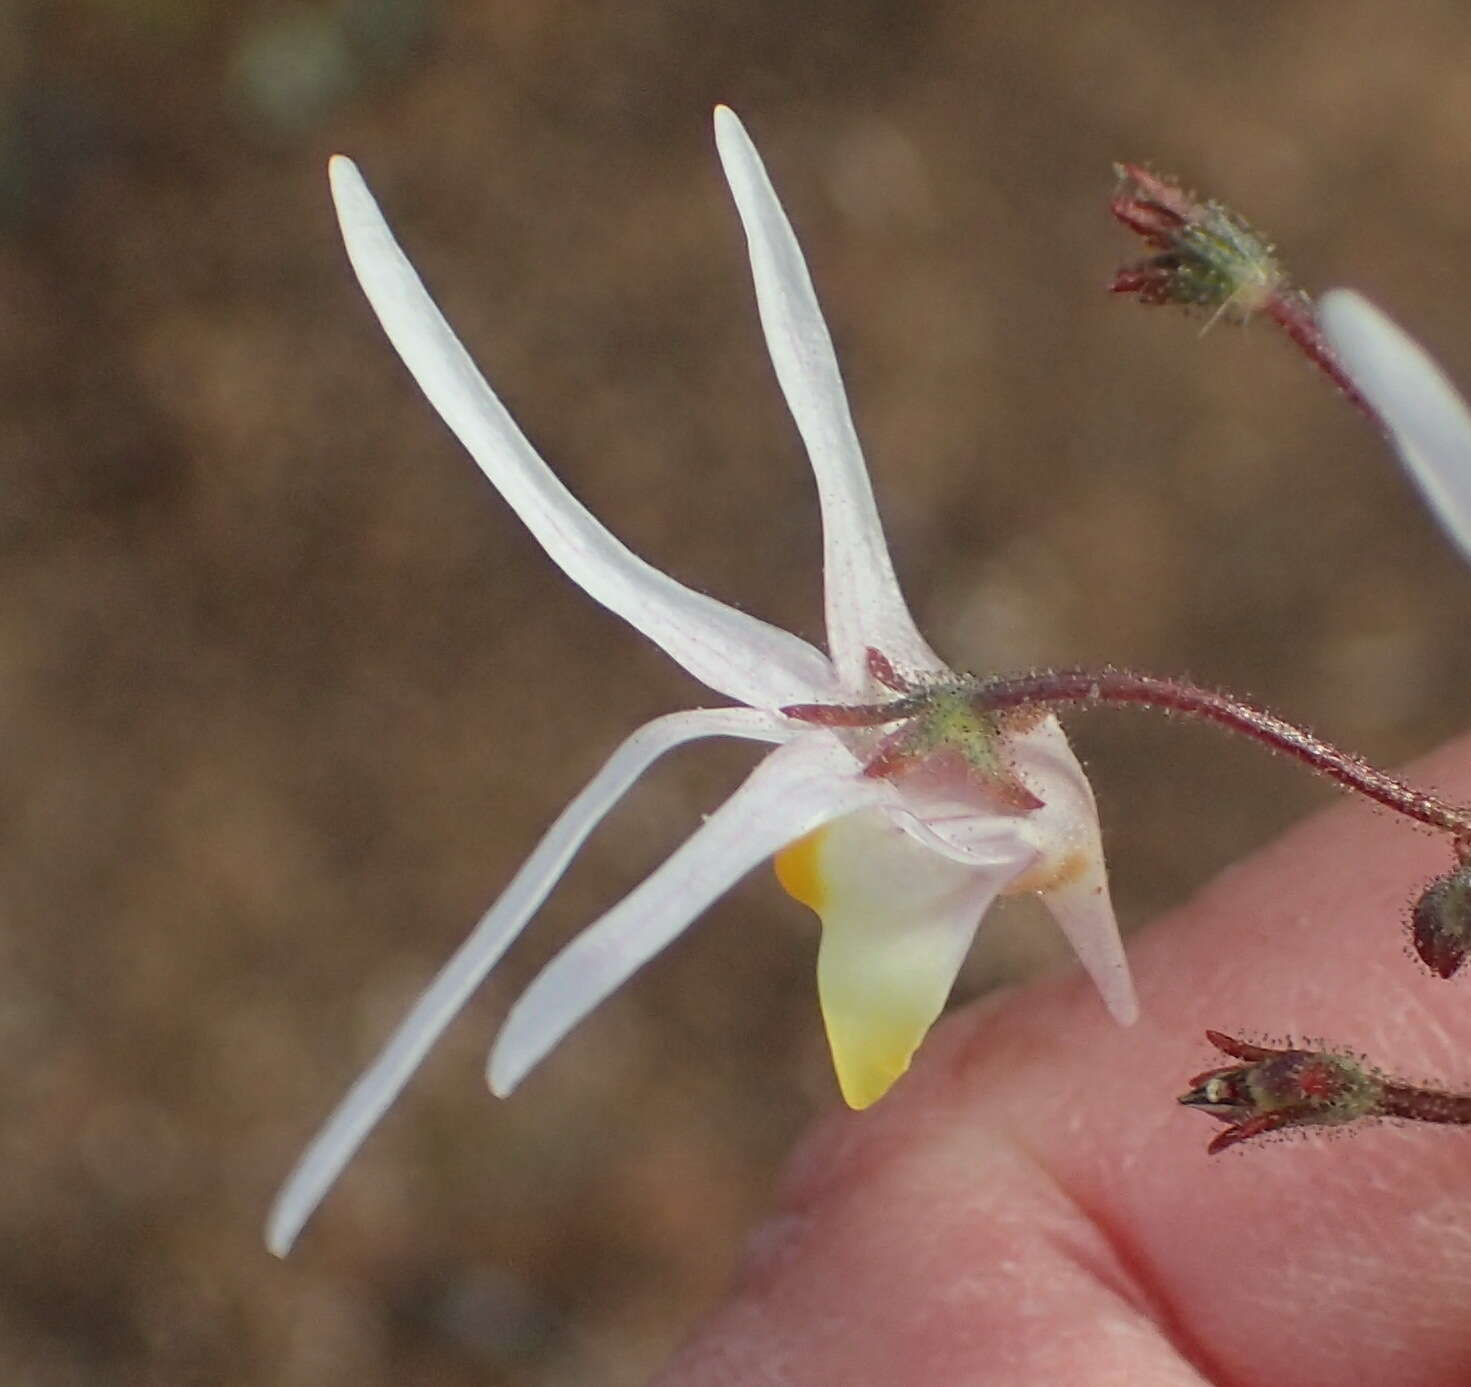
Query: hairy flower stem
[
  {"x": 1425, "y": 1105},
  {"x": 1053, "y": 688},
  {"x": 1292, "y": 311},
  {"x": 1072, "y": 686}
]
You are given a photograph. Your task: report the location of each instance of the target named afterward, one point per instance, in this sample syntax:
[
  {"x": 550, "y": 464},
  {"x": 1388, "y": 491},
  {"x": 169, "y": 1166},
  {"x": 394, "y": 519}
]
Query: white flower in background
[
  {"x": 1427, "y": 420},
  {"x": 900, "y": 863}
]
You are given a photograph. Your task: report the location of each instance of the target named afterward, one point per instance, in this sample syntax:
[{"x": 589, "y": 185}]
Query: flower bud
[
  {"x": 1273, "y": 1089},
  {"x": 1441, "y": 921},
  {"x": 1208, "y": 258},
  {"x": 1269, "y": 1090}
]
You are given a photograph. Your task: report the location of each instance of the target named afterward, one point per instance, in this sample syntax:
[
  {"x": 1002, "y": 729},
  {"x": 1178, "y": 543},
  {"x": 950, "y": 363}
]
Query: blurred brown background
[{"x": 288, "y": 693}]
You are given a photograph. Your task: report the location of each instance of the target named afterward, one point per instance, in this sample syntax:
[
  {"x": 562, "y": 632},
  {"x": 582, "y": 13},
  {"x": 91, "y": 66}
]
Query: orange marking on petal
[
  {"x": 799, "y": 869},
  {"x": 1050, "y": 873}
]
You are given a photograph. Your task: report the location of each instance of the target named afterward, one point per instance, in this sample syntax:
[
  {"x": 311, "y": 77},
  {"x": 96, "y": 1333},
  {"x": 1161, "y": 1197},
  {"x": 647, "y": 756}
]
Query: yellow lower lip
[
  {"x": 798, "y": 869},
  {"x": 871, "y": 1042}
]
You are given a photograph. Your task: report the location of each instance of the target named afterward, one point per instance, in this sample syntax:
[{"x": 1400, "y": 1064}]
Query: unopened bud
[
  {"x": 1208, "y": 256},
  {"x": 1270, "y": 1090},
  {"x": 1441, "y": 921},
  {"x": 1273, "y": 1089}
]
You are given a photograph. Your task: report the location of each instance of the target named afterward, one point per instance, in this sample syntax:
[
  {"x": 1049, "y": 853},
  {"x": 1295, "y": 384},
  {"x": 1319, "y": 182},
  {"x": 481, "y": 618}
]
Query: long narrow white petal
[
  {"x": 797, "y": 788},
  {"x": 896, "y": 924},
  {"x": 731, "y": 652},
  {"x": 1428, "y": 421},
  {"x": 370, "y": 1097},
  {"x": 1070, "y": 875},
  {"x": 864, "y": 604}
]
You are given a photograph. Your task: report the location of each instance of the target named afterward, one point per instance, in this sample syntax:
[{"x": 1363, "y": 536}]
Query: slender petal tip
[
  {"x": 375, "y": 1091},
  {"x": 1428, "y": 422},
  {"x": 342, "y": 174},
  {"x": 864, "y": 605}
]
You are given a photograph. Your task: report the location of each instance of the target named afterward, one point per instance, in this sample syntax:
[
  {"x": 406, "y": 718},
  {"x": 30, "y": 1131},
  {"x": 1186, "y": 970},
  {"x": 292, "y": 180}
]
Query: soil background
[{"x": 288, "y": 693}]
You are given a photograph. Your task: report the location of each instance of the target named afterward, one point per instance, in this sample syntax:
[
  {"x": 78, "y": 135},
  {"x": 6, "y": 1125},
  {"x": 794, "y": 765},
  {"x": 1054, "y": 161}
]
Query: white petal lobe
[
  {"x": 1084, "y": 913},
  {"x": 1428, "y": 422},
  {"x": 864, "y": 604},
  {"x": 1070, "y": 876},
  {"x": 797, "y": 788},
  {"x": 727, "y": 650},
  {"x": 373, "y": 1093},
  {"x": 896, "y": 925}
]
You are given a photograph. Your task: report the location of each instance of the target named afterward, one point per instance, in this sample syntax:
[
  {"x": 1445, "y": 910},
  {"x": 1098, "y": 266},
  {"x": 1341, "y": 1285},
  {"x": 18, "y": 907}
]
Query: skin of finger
[{"x": 1030, "y": 1205}]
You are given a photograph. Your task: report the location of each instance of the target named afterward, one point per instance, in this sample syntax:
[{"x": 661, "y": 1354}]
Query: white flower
[
  {"x": 900, "y": 868},
  {"x": 1427, "y": 420}
]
